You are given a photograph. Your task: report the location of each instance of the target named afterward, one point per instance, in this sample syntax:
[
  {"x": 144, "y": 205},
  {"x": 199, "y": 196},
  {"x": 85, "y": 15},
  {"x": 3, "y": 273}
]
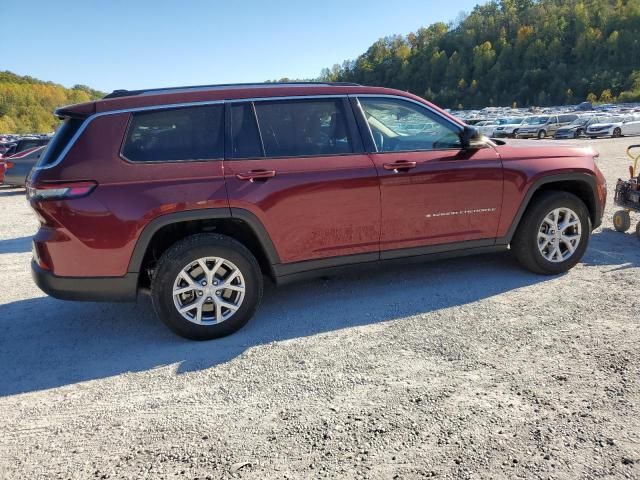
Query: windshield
[{"x": 536, "y": 120}]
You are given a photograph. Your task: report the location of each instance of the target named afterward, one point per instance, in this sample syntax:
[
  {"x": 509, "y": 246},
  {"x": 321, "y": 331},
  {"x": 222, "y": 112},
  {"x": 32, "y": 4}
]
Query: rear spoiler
[{"x": 79, "y": 110}]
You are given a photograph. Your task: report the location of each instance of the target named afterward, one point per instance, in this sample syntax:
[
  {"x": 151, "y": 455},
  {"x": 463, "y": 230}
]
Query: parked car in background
[
  {"x": 508, "y": 127},
  {"x": 584, "y": 107},
  {"x": 4, "y": 147},
  {"x": 578, "y": 127},
  {"x": 18, "y": 166},
  {"x": 486, "y": 127},
  {"x": 616, "y": 126},
  {"x": 542, "y": 126},
  {"x": 26, "y": 144},
  {"x": 195, "y": 194}
]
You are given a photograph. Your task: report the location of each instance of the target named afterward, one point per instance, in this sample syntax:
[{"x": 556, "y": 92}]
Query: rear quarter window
[
  {"x": 179, "y": 134},
  {"x": 60, "y": 140}
]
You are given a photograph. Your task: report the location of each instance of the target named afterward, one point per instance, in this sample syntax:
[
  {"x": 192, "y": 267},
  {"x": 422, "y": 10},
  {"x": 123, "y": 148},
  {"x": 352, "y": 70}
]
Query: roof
[
  {"x": 124, "y": 99},
  {"x": 226, "y": 86},
  {"x": 128, "y": 100}
]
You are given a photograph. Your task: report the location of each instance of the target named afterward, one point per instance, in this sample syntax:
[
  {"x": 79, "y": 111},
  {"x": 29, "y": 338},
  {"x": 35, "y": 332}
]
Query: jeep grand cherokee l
[{"x": 196, "y": 193}]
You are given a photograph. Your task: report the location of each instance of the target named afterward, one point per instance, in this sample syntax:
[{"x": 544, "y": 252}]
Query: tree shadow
[
  {"x": 15, "y": 245},
  {"x": 48, "y": 343}
]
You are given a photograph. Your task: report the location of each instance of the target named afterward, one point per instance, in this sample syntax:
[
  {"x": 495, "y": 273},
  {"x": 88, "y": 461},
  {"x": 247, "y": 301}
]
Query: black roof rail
[{"x": 131, "y": 93}]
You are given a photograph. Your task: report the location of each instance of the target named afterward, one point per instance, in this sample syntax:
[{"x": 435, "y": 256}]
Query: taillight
[
  {"x": 8, "y": 165},
  {"x": 60, "y": 191}
]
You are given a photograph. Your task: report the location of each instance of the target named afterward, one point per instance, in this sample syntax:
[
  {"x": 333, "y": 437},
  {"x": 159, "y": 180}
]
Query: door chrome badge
[{"x": 460, "y": 212}]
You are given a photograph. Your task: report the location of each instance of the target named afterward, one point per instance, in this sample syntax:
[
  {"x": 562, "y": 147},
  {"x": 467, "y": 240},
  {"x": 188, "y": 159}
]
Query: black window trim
[
  {"x": 172, "y": 107},
  {"x": 365, "y": 128},
  {"x": 354, "y": 132}
]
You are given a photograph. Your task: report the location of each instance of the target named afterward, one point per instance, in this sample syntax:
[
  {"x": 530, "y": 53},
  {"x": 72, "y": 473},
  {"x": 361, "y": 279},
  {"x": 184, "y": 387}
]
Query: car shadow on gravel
[
  {"x": 47, "y": 343},
  {"x": 15, "y": 245}
]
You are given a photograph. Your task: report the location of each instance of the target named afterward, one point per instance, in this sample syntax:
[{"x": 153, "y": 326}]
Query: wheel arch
[
  {"x": 165, "y": 230},
  {"x": 581, "y": 185}
]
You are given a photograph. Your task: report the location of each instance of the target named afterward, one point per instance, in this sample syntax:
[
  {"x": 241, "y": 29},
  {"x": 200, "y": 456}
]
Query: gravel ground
[{"x": 467, "y": 368}]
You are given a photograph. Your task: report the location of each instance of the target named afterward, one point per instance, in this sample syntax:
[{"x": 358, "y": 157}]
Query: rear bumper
[{"x": 90, "y": 289}]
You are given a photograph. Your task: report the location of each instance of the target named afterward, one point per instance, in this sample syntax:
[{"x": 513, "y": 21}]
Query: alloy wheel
[
  {"x": 559, "y": 235},
  {"x": 209, "y": 290}
]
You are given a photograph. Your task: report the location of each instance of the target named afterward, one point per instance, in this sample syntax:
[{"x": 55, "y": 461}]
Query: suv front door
[
  {"x": 434, "y": 192},
  {"x": 300, "y": 167}
]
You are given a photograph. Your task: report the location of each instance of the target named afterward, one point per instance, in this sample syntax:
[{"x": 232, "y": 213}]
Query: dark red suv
[{"x": 195, "y": 193}]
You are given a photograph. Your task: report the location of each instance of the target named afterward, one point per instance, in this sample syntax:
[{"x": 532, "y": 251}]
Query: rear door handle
[
  {"x": 256, "y": 175},
  {"x": 400, "y": 165}
]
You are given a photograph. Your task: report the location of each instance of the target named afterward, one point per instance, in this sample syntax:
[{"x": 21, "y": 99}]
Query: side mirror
[{"x": 471, "y": 138}]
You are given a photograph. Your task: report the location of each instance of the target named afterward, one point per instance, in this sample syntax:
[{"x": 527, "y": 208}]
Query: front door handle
[
  {"x": 256, "y": 175},
  {"x": 400, "y": 165}
]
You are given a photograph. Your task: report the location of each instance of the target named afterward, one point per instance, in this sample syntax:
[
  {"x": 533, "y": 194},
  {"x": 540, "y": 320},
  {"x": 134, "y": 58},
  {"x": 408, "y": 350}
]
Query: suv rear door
[
  {"x": 433, "y": 191},
  {"x": 298, "y": 164}
]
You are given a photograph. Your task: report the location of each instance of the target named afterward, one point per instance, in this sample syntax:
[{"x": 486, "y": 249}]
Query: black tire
[
  {"x": 541, "y": 134},
  {"x": 621, "y": 221},
  {"x": 188, "y": 250},
  {"x": 525, "y": 241},
  {"x": 578, "y": 133},
  {"x": 617, "y": 132}
]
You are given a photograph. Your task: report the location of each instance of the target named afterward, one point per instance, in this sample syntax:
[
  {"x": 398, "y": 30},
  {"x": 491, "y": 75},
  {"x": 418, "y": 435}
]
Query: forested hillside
[
  {"x": 27, "y": 104},
  {"x": 531, "y": 52}
]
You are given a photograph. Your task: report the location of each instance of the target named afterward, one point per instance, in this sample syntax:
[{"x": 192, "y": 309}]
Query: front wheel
[
  {"x": 617, "y": 133},
  {"x": 206, "y": 286},
  {"x": 553, "y": 233}
]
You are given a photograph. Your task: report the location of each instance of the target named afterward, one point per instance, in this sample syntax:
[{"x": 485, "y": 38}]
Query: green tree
[{"x": 524, "y": 51}]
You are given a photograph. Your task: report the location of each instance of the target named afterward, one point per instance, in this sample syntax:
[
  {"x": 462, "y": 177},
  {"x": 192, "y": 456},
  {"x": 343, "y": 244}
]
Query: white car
[
  {"x": 486, "y": 127},
  {"x": 615, "y": 127},
  {"x": 507, "y": 127}
]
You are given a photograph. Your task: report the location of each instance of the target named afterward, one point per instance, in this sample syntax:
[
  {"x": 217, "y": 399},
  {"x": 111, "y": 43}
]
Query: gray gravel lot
[{"x": 466, "y": 368}]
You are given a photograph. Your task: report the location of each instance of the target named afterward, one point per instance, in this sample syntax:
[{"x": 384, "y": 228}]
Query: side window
[
  {"x": 302, "y": 128},
  {"x": 398, "y": 125},
  {"x": 193, "y": 133},
  {"x": 245, "y": 138}
]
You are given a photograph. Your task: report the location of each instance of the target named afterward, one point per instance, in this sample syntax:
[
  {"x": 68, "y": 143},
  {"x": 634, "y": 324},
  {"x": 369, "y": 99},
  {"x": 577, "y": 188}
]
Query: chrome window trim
[{"x": 93, "y": 116}]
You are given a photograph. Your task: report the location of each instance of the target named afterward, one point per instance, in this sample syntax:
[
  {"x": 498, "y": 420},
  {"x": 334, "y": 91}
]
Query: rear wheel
[
  {"x": 206, "y": 286},
  {"x": 553, "y": 233},
  {"x": 541, "y": 134},
  {"x": 622, "y": 221},
  {"x": 578, "y": 133}
]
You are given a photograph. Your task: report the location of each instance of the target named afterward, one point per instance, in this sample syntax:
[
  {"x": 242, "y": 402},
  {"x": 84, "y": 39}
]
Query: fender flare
[
  {"x": 161, "y": 221},
  {"x": 561, "y": 177}
]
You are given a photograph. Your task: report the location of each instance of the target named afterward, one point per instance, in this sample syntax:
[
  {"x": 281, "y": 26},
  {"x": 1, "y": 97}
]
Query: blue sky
[{"x": 111, "y": 44}]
